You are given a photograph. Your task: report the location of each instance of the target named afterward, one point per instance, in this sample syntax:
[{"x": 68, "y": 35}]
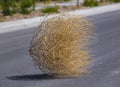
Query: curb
[{"x": 27, "y": 23}]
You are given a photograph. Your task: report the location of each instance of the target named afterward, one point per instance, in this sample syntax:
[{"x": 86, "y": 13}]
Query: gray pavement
[{"x": 18, "y": 70}]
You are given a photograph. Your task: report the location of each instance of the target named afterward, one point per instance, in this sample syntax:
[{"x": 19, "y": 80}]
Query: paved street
[{"x": 18, "y": 70}]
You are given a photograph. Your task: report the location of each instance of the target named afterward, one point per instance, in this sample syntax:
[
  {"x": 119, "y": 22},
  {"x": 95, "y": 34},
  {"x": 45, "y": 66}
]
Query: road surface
[{"x": 18, "y": 70}]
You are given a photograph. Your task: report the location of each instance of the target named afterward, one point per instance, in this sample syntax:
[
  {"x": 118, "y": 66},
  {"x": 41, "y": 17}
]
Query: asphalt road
[{"x": 18, "y": 70}]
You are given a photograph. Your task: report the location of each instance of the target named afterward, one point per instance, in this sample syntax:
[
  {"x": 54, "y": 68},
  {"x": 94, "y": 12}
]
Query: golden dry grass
[{"x": 60, "y": 45}]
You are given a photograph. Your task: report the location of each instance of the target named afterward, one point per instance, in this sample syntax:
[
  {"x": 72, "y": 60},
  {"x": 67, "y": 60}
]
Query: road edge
[{"x": 32, "y": 22}]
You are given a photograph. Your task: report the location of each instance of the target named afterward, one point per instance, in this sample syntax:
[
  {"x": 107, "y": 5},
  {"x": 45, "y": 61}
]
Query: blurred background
[{"x": 22, "y": 9}]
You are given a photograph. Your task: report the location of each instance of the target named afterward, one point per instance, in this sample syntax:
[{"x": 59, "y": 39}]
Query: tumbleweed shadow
[{"x": 31, "y": 77}]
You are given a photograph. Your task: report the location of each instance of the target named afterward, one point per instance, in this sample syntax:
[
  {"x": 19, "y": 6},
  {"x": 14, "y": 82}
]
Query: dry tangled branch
[{"x": 60, "y": 45}]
